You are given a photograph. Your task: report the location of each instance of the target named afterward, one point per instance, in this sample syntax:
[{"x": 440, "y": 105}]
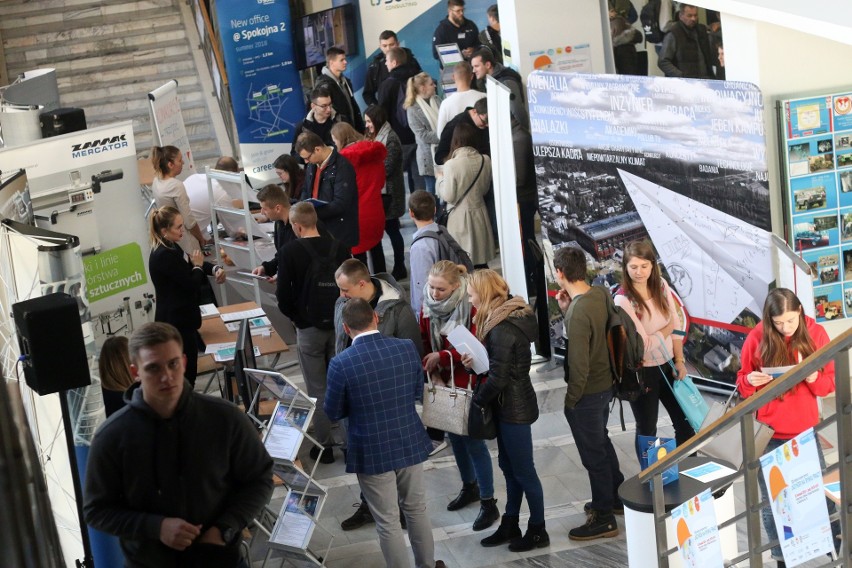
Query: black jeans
[
  {"x": 588, "y": 421},
  {"x": 647, "y": 408},
  {"x": 377, "y": 253}
]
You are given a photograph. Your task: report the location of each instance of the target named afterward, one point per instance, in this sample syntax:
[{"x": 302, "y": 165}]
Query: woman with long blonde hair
[
  {"x": 421, "y": 104},
  {"x": 506, "y": 325},
  {"x": 178, "y": 278}
]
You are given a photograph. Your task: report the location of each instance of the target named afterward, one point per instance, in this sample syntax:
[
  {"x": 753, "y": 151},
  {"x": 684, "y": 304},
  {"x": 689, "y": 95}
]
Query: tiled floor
[{"x": 565, "y": 482}]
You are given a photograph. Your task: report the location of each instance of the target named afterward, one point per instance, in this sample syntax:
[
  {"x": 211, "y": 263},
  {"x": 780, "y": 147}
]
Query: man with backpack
[
  {"x": 431, "y": 243},
  {"x": 590, "y": 389},
  {"x": 306, "y": 292}
]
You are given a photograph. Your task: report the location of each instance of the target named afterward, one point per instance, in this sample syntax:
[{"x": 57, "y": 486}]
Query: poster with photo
[
  {"x": 817, "y": 155},
  {"x": 681, "y": 162},
  {"x": 793, "y": 476},
  {"x": 697, "y": 532}
]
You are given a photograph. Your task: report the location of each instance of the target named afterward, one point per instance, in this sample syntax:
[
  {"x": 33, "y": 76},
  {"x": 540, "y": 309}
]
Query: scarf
[
  {"x": 500, "y": 313},
  {"x": 444, "y": 315},
  {"x": 430, "y": 111}
]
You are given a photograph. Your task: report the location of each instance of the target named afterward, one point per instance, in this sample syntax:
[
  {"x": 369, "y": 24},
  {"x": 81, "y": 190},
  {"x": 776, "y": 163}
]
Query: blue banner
[{"x": 266, "y": 92}]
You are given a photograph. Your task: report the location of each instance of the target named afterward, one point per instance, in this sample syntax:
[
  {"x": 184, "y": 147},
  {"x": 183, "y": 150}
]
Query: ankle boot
[
  {"x": 468, "y": 494},
  {"x": 488, "y": 513},
  {"x": 599, "y": 524},
  {"x": 536, "y": 537},
  {"x": 506, "y": 532}
]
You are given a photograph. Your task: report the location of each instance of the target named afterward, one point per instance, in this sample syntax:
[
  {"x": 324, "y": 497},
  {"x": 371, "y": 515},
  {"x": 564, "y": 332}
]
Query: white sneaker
[{"x": 438, "y": 447}]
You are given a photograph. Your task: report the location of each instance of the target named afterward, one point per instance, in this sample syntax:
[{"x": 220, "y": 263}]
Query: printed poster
[
  {"x": 266, "y": 92},
  {"x": 793, "y": 476},
  {"x": 697, "y": 532},
  {"x": 817, "y": 155},
  {"x": 680, "y": 162}
]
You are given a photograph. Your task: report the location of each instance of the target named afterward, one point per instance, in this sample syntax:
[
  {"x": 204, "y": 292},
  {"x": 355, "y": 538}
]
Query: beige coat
[{"x": 468, "y": 222}]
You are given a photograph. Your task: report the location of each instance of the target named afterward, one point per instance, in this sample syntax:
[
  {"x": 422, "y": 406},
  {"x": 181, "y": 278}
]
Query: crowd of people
[{"x": 366, "y": 341}]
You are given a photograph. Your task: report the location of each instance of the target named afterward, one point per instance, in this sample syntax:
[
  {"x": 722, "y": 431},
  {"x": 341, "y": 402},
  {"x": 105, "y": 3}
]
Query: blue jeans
[
  {"x": 588, "y": 421},
  {"x": 514, "y": 444},
  {"x": 766, "y": 512},
  {"x": 474, "y": 463},
  {"x": 430, "y": 184}
]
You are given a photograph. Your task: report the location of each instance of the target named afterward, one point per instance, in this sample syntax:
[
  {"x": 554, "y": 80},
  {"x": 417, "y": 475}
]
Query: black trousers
[{"x": 647, "y": 407}]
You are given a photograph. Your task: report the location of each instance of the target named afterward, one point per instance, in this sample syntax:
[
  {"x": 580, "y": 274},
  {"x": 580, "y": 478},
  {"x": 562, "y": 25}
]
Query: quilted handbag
[{"x": 446, "y": 408}]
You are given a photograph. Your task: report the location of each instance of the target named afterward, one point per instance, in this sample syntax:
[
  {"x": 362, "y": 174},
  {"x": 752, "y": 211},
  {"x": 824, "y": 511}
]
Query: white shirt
[
  {"x": 454, "y": 104},
  {"x": 199, "y": 203},
  {"x": 172, "y": 192}
]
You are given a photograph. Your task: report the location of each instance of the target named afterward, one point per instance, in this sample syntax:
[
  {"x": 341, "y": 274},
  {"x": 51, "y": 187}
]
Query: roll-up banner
[
  {"x": 266, "y": 91},
  {"x": 167, "y": 123},
  {"x": 681, "y": 162}
]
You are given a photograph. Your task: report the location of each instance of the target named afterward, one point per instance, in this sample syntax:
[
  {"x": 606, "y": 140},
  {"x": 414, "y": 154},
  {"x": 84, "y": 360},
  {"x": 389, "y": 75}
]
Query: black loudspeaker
[
  {"x": 62, "y": 121},
  {"x": 51, "y": 339}
]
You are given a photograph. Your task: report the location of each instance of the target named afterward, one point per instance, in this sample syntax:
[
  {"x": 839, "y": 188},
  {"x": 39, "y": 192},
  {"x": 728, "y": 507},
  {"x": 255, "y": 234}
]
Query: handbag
[
  {"x": 481, "y": 423},
  {"x": 728, "y": 446},
  {"x": 443, "y": 216},
  {"x": 446, "y": 408},
  {"x": 690, "y": 400}
]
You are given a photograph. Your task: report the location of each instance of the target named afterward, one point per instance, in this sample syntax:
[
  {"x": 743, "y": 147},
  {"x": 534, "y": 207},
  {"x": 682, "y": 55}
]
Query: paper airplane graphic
[{"x": 718, "y": 264}]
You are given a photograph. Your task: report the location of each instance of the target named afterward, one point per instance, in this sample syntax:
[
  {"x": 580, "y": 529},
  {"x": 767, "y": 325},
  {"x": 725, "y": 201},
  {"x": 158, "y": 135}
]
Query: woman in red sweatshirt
[{"x": 786, "y": 336}]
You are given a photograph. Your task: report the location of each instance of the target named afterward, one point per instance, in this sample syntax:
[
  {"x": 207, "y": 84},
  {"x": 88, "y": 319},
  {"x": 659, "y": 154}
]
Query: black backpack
[
  {"x": 448, "y": 247},
  {"x": 626, "y": 350},
  {"x": 319, "y": 290},
  {"x": 401, "y": 112},
  {"x": 650, "y": 18}
]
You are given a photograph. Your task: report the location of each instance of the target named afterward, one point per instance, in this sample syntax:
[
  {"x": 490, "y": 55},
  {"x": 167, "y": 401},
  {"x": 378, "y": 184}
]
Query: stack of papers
[
  {"x": 257, "y": 325},
  {"x": 209, "y": 311},
  {"x": 245, "y": 314}
]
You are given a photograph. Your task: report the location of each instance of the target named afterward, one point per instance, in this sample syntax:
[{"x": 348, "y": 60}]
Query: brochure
[{"x": 465, "y": 343}]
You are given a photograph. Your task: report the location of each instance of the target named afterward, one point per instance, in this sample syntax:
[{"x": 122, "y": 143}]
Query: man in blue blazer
[{"x": 375, "y": 383}]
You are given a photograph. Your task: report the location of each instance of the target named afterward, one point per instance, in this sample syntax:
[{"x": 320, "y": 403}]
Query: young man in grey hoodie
[{"x": 342, "y": 93}]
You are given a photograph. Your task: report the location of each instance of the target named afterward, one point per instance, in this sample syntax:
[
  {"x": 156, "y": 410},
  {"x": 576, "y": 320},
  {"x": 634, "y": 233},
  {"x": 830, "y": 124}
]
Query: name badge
[{"x": 462, "y": 35}]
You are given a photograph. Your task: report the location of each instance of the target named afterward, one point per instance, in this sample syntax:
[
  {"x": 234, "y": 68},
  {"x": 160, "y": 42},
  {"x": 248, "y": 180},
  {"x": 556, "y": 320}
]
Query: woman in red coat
[
  {"x": 368, "y": 159},
  {"x": 785, "y": 337}
]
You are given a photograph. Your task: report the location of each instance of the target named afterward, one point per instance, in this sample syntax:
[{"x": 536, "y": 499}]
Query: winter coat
[
  {"x": 337, "y": 187},
  {"x": 468, "y": 221},
  {"x": 394, "y": 178},
  {"x": 508, "y": 389},
  {"x": 426, "y": 138},
  {"x": 368, "y": 159}
]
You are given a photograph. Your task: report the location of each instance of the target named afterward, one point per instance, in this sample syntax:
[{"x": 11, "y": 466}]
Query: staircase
[{"x": 108, "y": 55}]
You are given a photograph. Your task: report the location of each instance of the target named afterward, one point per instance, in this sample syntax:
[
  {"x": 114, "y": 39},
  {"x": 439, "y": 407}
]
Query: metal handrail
[{"x": 743, "y": 416}]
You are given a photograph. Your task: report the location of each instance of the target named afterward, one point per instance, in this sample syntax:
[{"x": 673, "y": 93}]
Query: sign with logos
[
  {"x": 697, "y": 532},
  {"x": 167, "y": 124},
  {"x": 265, "y": 88},
  {"x": 793, "y": 476},
  {"x": 114, "y": 271}
]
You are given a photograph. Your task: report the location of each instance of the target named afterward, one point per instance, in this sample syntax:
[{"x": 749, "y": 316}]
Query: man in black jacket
[
  {"x": 342, "y": 94},
  {"x": 378, "y": 71},
  {"x": 392, "y": 93},
  {"x": 455, "y": 28},
  {"x": 330, "y": 179},
  {"x": 275, "y": 204},
  {"x": 175, "y": 475},
  {"x": 477, "y": 115},
  {"x": 484, "y": 64},
  {"x": 320, "y": 118},
  {"x": 686, "y": 48}
]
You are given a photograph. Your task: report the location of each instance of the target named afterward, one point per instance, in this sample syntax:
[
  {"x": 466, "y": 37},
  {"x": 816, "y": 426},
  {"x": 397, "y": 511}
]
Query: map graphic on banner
[
  {"x": 793, "y": 475},
  {"x": 817, "y": 155},
  {"x": 698, "y": 532},
  {"x": 265, "y": 88},
  {"x": 681, "y": 162}
]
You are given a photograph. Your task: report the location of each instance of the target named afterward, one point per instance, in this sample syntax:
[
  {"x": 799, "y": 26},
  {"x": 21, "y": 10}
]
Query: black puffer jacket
[{"x": 508, "y": 387}]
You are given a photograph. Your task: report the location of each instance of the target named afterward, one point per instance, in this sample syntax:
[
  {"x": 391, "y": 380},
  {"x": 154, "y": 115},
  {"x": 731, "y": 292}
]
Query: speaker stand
[{"x": 88, "y": 560}]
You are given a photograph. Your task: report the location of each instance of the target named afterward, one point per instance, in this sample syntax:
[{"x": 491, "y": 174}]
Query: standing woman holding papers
[
  {"x": 446, "y": 306},
  {"x": 785, "y": 337},
  {"x": 178, "y": 278},
  {"x": 506, "y": 325},
  {"x": 646, "y": 297}
]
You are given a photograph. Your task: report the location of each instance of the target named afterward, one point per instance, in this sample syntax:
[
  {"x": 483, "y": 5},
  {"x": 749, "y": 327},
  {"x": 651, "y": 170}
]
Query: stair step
[
  {"x": 128, "y": 59},
  {"x": 70, "y": 81},
  {"x": 25, "y": 7},
  {"x": 192, "y": 110},
  {"x": 82, "y": 16},
  {"x": 106, "y": 106},
  {"x": 136, "y": 87},
  {"x": 88, "y": 29},
  {"x": 80, "y": 39}
]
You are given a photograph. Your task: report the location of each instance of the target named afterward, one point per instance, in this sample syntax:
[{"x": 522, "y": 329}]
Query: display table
[{"x": 639, "y": 513}]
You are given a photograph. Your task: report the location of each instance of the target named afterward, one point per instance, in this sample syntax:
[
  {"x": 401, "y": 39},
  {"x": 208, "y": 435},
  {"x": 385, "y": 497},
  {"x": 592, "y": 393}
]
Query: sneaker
[
  {"x": 597, "y": 525},
  {"x": 488, "y": 513},
  {"x": 399, "y": 273},
  {"x": 617, "y": 508},
  {"x": 536, "y": 537},
  {"x": 469, "y": 494},
  {"x": 361, "y": 517},
  {"x": 438, "y": 447},
  {"x": 506, "y": 532},
  {"x": 440, "y": 564}
]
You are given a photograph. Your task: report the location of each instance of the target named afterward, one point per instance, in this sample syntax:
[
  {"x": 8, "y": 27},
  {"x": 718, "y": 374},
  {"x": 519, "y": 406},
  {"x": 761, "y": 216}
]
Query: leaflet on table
[
  {"x": 208, "y": 311},
  {"x": 698, "y": 532},
  {"x": 254, "y": 323},
  {"x": 224, "y": 352},
  {"x": 833, "y": 490},
  {"x": 709, "y": 472},
  {"x": 466, "y": 344},
  {"x": 246, "y": 314},
  {"x": 776, "y": 372}
]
